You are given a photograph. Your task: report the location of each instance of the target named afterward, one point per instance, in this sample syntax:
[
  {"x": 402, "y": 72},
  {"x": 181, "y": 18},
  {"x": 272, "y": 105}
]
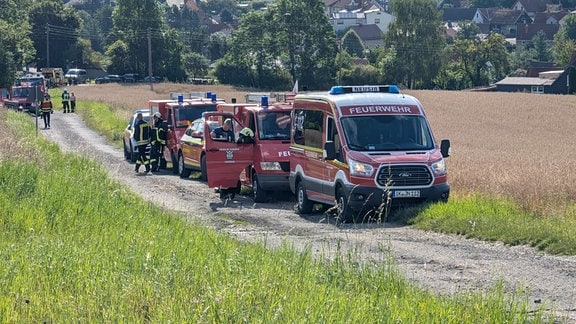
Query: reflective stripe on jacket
[
  {"x": 142, "y": 133},
  {"x": 46, "y": 106}
]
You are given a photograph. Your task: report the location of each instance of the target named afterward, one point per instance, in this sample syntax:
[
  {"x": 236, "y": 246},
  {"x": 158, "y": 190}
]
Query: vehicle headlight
[
  {"x": 360, "y": 169},
  {"x": 439, "y": 167},
  {"x": 270, "y": 166}
]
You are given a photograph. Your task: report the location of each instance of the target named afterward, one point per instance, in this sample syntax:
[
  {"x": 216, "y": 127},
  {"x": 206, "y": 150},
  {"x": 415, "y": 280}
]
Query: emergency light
[
  {"x": 336, "y": 90},
  {"x": 264, "y": 102}
]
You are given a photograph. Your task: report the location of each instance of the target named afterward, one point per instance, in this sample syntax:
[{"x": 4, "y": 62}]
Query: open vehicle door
[{"x": 225, "y": 159}]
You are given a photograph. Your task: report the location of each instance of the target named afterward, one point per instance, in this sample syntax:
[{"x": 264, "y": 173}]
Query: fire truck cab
[
  {"x": 269, "y": 165},
  {"x": 178, "y": 114},
  {"x": 363, "y": 149}
]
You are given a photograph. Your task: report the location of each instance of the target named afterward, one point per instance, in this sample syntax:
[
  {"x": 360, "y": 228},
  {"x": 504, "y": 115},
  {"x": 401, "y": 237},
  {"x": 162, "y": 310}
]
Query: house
[
  {"x": 503, "y": 21},
  {"x": 526, "y": 33},
  {"x": 550, "y": 82},
  {"x": 370, "y": 35},
  {"x": 532, "y": 7}
]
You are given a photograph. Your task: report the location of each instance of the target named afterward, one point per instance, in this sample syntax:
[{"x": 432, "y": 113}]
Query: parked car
[
  {"x": 76, "y": 76},
  {"x": 192, "y": 156},
  {"x": 130, "y": 148},
  {"x": 131, "y": 77},
  {"x": 155, "y": 79},
  {"x": 110, "y": 78}
]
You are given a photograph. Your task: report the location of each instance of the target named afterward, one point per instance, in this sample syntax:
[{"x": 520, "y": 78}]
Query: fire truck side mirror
[
  {"x": 445, "y": 147},
  {"x": 329, "y": 151}
]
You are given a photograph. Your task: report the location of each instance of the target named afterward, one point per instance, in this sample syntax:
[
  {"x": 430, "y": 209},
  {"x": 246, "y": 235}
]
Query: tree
[
  {"x": 135, "y": 21},
  {"x": 540, "y": 46},
  {"x": 307, "y": 41},
  {"x": 416, "y": 36},
  {"x": 58, "y": 25},
  {"x": 468, "y": 30},
  {"x": 17, "y": 48},
  {"x": 477, "y": 62},
  {"x": 565, "y": 41}
]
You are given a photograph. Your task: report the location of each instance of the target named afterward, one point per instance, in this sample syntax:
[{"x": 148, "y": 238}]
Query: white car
[{"x": 130, "y": 147}]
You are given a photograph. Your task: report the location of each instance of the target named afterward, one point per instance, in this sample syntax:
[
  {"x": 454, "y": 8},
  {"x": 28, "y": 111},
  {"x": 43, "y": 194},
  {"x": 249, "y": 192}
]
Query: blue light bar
[
  {"x": 264, "y": 102},
  {"x": 336, "y": 90}
]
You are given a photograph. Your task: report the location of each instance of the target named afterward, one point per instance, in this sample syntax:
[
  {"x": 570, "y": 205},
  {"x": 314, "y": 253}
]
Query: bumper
[
  {"x": 369, "y": 198},
  {"x": 274, "y": 182}
]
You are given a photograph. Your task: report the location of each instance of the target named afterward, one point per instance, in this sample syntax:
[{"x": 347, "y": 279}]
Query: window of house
[{"x": 537, "y": 89}]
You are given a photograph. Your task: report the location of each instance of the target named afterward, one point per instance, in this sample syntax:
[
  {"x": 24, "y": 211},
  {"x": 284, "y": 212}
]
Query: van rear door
[{"x": 225, "y": 161}]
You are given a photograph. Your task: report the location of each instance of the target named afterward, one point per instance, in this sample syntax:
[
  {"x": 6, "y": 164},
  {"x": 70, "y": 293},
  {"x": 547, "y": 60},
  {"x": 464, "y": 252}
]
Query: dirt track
[{"x": 442, "y": 263}]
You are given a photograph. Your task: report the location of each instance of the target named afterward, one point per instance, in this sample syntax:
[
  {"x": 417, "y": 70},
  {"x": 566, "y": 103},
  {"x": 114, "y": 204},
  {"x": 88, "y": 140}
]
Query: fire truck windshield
[
  {"x": 274, "y": 125},
  {"x": 387, "y": 133},
  {"x": 21, "y": 92},
  {"x": 185, "y": 116}
]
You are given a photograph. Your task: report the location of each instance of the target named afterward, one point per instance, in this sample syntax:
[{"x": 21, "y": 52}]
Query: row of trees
[{"x": 271, "y": 49}]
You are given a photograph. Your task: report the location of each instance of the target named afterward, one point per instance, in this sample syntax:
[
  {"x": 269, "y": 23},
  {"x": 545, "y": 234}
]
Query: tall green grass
[
  {"x": 76, "y": 246},
  {"x": 500, "y": 219}
]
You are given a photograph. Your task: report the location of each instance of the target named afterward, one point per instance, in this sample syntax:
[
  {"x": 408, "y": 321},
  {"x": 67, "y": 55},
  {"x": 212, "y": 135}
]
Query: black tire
[
  {"x": 258, "y": 193},
  {"x": 343, "y": 211},
  {"x": 174, "y": 163},
  {"x": 184, "y": 173},
  {"x": 304, "y": 205},
  {"x": 204, "y": 173}
]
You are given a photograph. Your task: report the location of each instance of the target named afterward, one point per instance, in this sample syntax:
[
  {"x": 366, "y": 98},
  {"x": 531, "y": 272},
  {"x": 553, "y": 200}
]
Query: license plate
[{"x": 406, "y": 194}]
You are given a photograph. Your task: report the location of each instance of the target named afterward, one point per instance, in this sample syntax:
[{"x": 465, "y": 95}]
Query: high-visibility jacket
[
  {"x": 159, "y": 133},
  {"x": 46, "y": 106},
  {"x": 65, "y": 96},
  {"x": 142, "y": 133}
]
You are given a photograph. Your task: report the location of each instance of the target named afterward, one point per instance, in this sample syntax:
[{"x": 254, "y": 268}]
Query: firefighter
[
  {"x": 72, "y": 102},
  {"x": 158, "y": 142},
  {"x": 46, "y": 109},
  {"x": 142, "y": 137},
  {"x": 65, "y": 101}
]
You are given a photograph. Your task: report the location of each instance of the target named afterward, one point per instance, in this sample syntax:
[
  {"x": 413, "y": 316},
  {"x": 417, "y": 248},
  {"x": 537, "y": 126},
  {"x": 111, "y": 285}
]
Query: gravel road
[{"x": 439, "y": 262}]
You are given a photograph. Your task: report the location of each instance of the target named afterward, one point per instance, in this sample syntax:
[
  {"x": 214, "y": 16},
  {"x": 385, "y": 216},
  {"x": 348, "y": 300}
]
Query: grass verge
[{"x": 77, "y": 246}]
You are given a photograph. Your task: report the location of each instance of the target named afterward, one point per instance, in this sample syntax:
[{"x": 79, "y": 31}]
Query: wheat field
[{"x": 516, "y": 145}]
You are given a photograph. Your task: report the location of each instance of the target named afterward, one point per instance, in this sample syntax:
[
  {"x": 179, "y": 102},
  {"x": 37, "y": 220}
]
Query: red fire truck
[
  {"x": 178, "y": 114},
  {"x": 262, "y": 164}
]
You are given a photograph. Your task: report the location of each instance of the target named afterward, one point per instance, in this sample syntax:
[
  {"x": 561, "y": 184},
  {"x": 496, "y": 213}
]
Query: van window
[
  {"x": 308, "y": 128},
  {"x": 332, "y": 136},
  {"x": 387, "y": 133}
]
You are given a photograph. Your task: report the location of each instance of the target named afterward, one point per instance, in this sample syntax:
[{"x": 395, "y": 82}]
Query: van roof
[{"x": 390, "y": 101}]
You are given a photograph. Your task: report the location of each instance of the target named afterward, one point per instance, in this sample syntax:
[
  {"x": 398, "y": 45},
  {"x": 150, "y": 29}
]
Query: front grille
[{"x": 404, "y": 176}]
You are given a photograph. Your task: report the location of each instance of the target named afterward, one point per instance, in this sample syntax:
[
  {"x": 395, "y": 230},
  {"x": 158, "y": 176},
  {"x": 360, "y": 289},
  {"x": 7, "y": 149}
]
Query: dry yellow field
[{"x": 512, "y": 144}]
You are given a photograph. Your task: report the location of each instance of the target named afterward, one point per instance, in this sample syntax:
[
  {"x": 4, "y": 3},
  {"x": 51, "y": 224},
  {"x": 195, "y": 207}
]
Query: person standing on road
[
  {"x": 46, "y": 109},
  {"x": 158, "y": 142},
  {"x": 72, "y": 102},
  {"x": 65, "y": 101},
  {"x": 142, "y": 137}
]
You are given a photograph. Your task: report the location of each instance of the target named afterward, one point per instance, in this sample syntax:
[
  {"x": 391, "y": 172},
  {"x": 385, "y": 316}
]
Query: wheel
[
  {"x": 184, "y": 173},
  {"x": 204, "y": 173},
  {"x": 343, "y": 211},
  {"x": 257, "y": 191},
  {"x": 133, "y": 155},
  {"x": 304, "y": 205},
  {"x": 174, "y": 163}
]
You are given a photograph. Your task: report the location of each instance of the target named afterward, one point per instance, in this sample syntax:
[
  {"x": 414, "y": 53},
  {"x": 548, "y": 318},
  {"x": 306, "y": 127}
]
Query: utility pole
[
  {"x": 150, "y": 60},
  {"x": 47, "y": 45}
]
